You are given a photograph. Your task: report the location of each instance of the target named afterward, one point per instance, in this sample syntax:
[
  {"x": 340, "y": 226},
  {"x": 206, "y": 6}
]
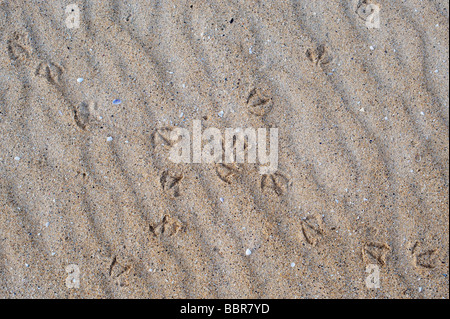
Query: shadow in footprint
[{"x": 319, "y": 56}]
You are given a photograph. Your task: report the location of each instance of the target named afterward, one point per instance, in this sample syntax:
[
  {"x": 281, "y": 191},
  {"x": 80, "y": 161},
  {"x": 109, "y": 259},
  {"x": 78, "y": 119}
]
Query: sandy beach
[{"x": 92, "y": 206}]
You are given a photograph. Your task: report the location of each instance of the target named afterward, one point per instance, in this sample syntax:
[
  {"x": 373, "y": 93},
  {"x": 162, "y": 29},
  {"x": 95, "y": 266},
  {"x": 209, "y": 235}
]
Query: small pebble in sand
[
  {"x": 248, "y": 252},
  {"x": 221, "y": 199},
  {"x": 221, "y": 113},
  {"x": 372, "y": 48},
  {"x": 17, "y": 158},
  {"x": 292, "y": 265},
  {"x": 109, "y": 139},
  {"x": 79, "y": 80},
  {"x": 117, "y": 102},
  {"x": 47, "y": 224}
]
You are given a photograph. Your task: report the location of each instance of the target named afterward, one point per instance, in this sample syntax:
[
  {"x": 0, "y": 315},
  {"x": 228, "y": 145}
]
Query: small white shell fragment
[
  {"x": 292, "y": 265},
  {"x": 221, "y": 113},
  {"x": 248, "y": 252},
  {"x": 17, "y": 158},
  {"x": 79, "y": 80},
  {"x": 109, "y": 139}
]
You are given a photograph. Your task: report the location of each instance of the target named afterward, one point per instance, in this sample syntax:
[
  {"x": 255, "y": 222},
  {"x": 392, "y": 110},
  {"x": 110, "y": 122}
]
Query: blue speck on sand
[{"x": 117, "y": 101}]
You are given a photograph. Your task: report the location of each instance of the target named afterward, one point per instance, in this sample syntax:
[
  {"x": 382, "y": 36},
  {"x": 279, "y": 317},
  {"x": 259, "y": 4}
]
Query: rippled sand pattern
[{"x": 363, "y": 178}]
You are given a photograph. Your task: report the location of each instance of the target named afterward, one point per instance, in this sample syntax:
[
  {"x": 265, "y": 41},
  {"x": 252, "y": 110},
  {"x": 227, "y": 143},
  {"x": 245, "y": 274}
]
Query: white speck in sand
[
  {"x": 79, "y": 80},
  {"x": 372, "y": 48},
  {"x": 292, "y": 265},
  {"x": 17, "y": 158},
  {"x": 422, "y": 113},
  {"x": 221, "y": 114},
  {"x": 109, "y": 139},
  {"x": 420, "y": 289},
  {"x": 221, "y": 199},
  {"x": 248, "y": 252},
  {"x": 26, "y": 265},
  {"x": 47, "y": 224}
]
